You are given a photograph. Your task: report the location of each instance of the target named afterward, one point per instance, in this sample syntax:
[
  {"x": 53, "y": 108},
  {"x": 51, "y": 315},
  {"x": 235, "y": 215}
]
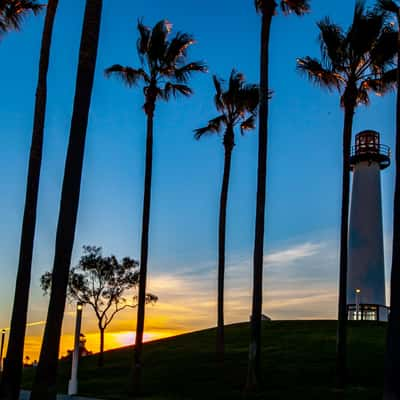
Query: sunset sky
[{"x": 303, "y": 204}]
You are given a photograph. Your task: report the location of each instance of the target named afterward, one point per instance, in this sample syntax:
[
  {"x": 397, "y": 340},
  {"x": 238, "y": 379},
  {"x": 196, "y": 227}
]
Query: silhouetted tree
[
  {"x": 44, "y": 386},
  {"x": 164, "y": 72},
  {"x": 13, "y": 13},
  {"x": 267, "y": 9},
  {"x": 101, "y": 283},
  {"x": 11, "y": 377},
  {"x": 392, "y": 355},
  {"x": 237, "y": 105},
  {"x": 353, "y": 63}
]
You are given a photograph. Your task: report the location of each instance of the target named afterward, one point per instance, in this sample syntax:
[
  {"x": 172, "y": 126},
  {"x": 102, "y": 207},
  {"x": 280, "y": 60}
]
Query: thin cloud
[
  {"x": 30, "y": 324},
  {"x": 292, "y": 254}
]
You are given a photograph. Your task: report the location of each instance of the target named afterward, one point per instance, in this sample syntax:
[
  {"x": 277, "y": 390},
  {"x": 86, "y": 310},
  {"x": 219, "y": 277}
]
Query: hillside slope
[{"x": 298, "y": 362}]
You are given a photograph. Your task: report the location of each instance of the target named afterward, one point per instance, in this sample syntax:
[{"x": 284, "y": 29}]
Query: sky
[{"x": 304, "y": 168}]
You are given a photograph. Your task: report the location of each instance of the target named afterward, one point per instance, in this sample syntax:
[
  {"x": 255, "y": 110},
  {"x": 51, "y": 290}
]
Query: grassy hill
[{"x": 298, "y": 362}]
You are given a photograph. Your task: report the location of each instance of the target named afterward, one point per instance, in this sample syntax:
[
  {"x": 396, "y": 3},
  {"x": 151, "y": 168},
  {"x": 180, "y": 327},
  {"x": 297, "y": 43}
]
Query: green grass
[{"x": 298, "y": 362}]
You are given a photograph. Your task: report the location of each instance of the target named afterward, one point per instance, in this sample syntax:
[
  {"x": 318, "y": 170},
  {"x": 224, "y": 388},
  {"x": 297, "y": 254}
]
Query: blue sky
[{"x": 304, "y": 162}]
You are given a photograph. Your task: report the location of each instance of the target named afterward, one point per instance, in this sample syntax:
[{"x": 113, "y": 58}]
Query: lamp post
[
  {"x": 3, "y": 335},
  {"x": 358, "y": 291},
  {"x": 73, "y": 382}
]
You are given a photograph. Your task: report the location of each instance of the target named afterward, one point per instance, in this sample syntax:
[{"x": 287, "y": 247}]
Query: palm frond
[
  {"x": 364, "y": 31},
  {"x": 384, "y": 51},
  {"x": 130, "y": 76},
  {"x": 158, "y": 42},
  {"x": 386, "y": 83},
  {"x": 231, "y": 98},
  {"x": 13, "y": 13},
  {"x": 331, "y": 40},
  {"x": 174, "y": 89},
  {"x": 177, "y": 47},
  {"x": 215, "y": 125},
  {"x": 387, "y": 6},
  {"x": 248, "y": 124},
  {"x": 250, "y": 97},
  {"x": 236, "y": 80},
  {"x": 142, "y": 44},
  {"x": 299, "y": 7},
  {"x": 183, "y": 73},
  {"x": 219, "y": 104},
  {"x": 317, "y": 74}
]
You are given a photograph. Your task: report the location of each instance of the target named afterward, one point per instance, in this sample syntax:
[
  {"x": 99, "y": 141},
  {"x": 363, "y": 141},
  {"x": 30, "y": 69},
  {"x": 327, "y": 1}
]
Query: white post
[
  {"x": 358, "y": 291},
  {"x": 73, "y": 383}
]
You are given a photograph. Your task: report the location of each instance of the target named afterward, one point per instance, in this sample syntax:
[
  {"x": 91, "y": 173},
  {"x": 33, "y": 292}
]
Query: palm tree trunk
[
  {"x": 44, "y": 387},
  {"x": 254, "y": 366},
  {"x": 228, "y": 144},
  {"x": 11, "y": 377},
  {"x": 101, "y": 355},
  {"x": 344, "y": 228},
  {"x": 144, "y": 250},
  {"x": 392, "y": 356}
]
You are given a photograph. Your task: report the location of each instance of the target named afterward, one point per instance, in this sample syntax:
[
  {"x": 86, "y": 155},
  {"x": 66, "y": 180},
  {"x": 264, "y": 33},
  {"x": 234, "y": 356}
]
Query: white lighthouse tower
[{"x": 366, "y": 298}]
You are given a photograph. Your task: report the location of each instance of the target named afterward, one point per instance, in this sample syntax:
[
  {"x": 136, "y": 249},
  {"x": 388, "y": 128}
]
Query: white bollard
[{"x": 73, "y": 382}]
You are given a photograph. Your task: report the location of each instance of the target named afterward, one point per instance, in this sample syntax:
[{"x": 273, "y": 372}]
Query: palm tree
[
  {"x": 11, "y": 377},
  {"x": 352, "y": 63},
  {"x": 164, "y": 72},
  {"x": 238, "y": 106},
  {"x": 392, "y": 356},
  {"x": 267, "y": 9},
  {"x": 44, "y": 387},
  {"x": 13, "y": 12}
]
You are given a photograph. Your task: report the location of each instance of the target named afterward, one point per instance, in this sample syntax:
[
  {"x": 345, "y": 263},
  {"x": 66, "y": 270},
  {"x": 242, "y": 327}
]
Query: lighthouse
[{"x": 366, "y": 298}]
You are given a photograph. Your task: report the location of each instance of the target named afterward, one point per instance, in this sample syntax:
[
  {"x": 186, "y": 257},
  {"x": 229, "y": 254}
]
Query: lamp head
[
  {"x": 358, "y": 291},
  {"x": 79, "y": 306},
  {"x": 3, "y": 331}
]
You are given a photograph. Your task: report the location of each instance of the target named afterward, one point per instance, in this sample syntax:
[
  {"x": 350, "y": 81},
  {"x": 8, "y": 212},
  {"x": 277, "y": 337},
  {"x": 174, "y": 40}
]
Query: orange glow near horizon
[{"x": 113, "y": 340}]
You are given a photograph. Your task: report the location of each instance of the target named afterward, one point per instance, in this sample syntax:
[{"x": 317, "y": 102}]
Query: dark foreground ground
[{"x": 298, "y": 363}]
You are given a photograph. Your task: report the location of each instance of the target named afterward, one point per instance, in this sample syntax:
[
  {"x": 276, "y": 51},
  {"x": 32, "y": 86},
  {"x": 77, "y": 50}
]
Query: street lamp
[
  {"x": 73, "y": 382},
  {"x": 358, "y": 291},
  {"x": 3, "y": 335}
]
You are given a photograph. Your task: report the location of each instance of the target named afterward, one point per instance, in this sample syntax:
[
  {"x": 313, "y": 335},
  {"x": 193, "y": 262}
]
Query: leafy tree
[
  {"x": 13, "y": 13},
  {"x": 392, "y": 356},
  {"x": 267, "y": 9},
  {"x": 11, "y": 377},
  {"x": 353, "y": 62},
  {"x": 164, "y": 72},
  {"x": 44, "y": 386},
  {"x": 237, "y": 105},
  {"x": 101, "y": 283}
]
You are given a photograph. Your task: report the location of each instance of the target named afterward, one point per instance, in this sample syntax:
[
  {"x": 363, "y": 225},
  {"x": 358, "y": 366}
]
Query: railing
[{"x": 381, "y": 149}]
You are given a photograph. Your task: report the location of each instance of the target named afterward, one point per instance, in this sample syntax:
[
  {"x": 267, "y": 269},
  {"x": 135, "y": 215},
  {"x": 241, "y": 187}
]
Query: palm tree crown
[
  {"x": 13, "y": 12},
  {"x": 354, "y": 62},
  {"x": 237, "y": 105},
  {"x": 299, "y": 7},
  {"x": 163, "y": 70}
]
